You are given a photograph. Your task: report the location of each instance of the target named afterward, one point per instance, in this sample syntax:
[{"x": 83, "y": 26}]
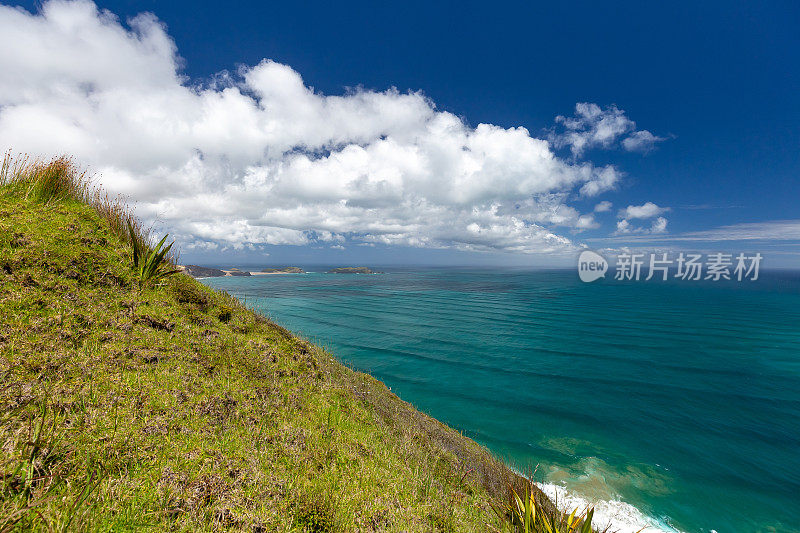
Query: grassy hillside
[{"x": 173, "y": 407}]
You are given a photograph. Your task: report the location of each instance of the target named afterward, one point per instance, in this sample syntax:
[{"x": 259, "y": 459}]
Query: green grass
[{"x": 172, "y": 407}]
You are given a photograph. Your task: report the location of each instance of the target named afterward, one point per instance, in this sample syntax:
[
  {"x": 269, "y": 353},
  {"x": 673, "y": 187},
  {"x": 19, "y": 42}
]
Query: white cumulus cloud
[
  {"x": 640, "y": 141},
  {"x": 658, "y": 226},
  {"x": 603, "y": 207},
  {"x": 646, "y": 210},
  {"x": 258, "y": 157},
  {"x": 592, "y": 126}
]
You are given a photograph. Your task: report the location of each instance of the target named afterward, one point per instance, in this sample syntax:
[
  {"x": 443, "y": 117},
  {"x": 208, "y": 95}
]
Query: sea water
[{"x": 673, "y": 405}]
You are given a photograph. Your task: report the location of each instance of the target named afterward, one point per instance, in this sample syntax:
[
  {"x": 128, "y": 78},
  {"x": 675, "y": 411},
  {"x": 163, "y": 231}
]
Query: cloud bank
[
  {"x": 773, "y": 230},
  {"x": 258, "y": 157}
]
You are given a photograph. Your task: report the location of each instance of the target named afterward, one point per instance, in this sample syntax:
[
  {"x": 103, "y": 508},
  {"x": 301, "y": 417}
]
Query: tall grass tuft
[
  {"x": 524, "y": 515},
  {"x": 150, "y": 263},
  {"x": 60, "y": 179},
  {"x": 57, "y": 179}
]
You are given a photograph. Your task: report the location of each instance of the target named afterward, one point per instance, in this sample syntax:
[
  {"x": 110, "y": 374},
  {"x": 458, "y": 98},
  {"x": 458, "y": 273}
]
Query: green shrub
[
  {"x": 315, "y": 514},
  {"x": 187, "y": 291},
  {"x": 224, "y": 313}
]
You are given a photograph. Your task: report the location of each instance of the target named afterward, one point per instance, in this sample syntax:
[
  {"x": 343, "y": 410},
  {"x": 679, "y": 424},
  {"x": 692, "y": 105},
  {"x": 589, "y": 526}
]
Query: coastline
[{"x": 229, "y": 273}]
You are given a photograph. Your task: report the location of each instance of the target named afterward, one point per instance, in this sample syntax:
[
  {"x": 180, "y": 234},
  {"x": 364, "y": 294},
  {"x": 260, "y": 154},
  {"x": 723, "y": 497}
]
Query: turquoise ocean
[{"x": 673, "y": 405}]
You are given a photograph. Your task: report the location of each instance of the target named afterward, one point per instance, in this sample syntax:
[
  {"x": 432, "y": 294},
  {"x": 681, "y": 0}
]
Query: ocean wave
[{"x": 619, "y": 516}]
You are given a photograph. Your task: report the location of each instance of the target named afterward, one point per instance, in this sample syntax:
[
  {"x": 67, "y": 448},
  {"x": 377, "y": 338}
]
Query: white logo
[{"x": 591, "y": 266}]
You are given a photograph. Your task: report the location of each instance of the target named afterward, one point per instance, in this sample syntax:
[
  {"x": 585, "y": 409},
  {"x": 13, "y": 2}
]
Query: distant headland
[
  {"x": 353, "y": 270},
  {"x": 206, "y": 272},
  {"x": 283, "y": 270}
]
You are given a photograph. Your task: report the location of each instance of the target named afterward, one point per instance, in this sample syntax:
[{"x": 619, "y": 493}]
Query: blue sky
[{"x": 716, "y": 83}]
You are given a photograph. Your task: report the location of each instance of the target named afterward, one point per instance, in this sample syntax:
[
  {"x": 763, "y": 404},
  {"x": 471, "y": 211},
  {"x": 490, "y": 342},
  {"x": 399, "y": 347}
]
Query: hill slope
[
  {"x": 176, "y": 408},
  {"x": 173, "y": 407}
]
